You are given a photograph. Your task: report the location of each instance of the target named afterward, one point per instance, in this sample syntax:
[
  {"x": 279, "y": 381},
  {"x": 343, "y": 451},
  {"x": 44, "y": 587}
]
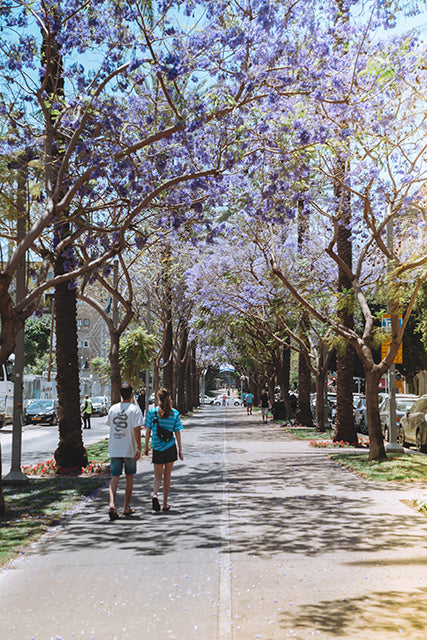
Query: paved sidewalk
[{"x": 268, "y": 538}]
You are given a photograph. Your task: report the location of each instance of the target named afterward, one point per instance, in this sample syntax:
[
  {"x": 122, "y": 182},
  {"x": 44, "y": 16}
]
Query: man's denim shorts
[{"x": 116, "y": 466}]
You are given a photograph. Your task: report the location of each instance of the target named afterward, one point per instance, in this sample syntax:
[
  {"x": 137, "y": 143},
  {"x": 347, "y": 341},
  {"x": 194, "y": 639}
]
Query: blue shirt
[
  {"x": 249, "y": 398},
  {"x": 173, "y": 423}
]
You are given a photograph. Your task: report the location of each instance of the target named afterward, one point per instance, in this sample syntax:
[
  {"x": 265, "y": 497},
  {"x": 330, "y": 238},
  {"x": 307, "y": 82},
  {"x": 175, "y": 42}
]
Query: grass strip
[
  {"x": 33, "y": 508},
  {"x": 305, "y": 433},
  {"x": 400, "y": 467}
]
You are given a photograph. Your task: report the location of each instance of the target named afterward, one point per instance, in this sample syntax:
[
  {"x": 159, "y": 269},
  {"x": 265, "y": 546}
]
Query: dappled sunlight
[{"x": 384, "y": 615}]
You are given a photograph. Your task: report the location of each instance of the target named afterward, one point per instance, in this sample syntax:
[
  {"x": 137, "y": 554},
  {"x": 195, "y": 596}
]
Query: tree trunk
[
  {"x": 303, "y": 414},
  {"x": 10, "y": 323},
  {"x": 70, "y": 454},
  {"x": 156, "y": 378},
  {"x": 194, "y": 377},
  {"x": 376, "y": 441},
  {"x": 168, "y": 324},
  {"x": 188, "y": 383},
  {"x": 320, "y": 401},
  {"x": 183, "y": 388},
  {"x": 285, "y": 376},
  {"x": 345, "y": 428},
  {"x": 113, "y": 356}
]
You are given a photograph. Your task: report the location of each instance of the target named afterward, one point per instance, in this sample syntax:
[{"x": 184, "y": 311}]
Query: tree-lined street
[{"x": 267, "y": 538}]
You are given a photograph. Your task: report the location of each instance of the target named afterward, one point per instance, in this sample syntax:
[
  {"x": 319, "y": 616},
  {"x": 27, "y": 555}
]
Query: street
[
  {"x": 40, "y": 441},
  {"x": 266, "y": 538}
]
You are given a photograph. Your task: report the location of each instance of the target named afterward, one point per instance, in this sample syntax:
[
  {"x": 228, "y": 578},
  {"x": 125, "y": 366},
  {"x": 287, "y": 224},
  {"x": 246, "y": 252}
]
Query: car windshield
[
  {"x": 96, "y": 400},
  {"x": 40, "y": 405},
  {"x": 404, "y": 405}
]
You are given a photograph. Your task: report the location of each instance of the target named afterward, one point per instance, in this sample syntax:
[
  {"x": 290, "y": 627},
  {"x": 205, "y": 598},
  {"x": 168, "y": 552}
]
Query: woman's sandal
[
  {"x": 166, "y": 508},
  {"x": 156, "y": 504},
  {"x": 129, "y": 512},
  {"x": 112, "y": 514}
]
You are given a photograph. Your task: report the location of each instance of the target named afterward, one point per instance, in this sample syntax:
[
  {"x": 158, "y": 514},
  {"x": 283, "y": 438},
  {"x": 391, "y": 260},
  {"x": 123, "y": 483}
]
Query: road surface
[{"x": 40, "y": 441}]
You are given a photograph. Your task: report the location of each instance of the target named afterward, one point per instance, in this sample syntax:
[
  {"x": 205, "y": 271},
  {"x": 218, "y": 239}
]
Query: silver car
[
  {"x": 413, "y": 425},
  {"x": 403, "y": 403}
]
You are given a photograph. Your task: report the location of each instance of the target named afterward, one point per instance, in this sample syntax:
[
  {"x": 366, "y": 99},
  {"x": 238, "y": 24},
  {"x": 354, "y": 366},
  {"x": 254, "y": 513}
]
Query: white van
[{"x": 6, "y": 393}]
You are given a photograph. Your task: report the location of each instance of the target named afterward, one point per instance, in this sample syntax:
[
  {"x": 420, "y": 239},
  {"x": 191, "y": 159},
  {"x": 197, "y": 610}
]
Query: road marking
[{"x": 224, "y": 615}]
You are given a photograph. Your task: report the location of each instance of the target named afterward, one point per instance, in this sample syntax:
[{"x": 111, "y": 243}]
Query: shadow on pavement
[
  {"x": 367, "y": 617},
  {"x": 299, "y": 503}
]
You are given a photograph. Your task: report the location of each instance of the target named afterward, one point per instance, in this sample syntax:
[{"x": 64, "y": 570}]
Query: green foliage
[
  {"x": 345, "y": 301},
  {"x": 37, "y": 338},
  {"x": 135, "y": 354},
  {"x": 102, "y": 369},
  {"x": 41, "y": 365}
]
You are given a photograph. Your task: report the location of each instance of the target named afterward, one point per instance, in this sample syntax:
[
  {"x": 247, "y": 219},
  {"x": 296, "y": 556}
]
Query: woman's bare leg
[
  {"x": 167, "y": 483},
  {"x": 158, "y": 475}
]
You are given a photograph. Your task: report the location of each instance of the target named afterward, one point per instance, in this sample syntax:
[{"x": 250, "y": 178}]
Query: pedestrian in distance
[
  {"x": 158, "y": 421},
  {"x": 125, "y": 421},
  {"x": 249, "y": 401},
  {"x": 265, "y": 405},
  {"x": 87, "y": 412},
  {"x": 141, "y": 399}
]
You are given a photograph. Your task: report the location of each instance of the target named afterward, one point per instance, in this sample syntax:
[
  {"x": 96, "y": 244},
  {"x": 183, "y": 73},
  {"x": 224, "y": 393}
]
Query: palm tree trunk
[{"x": 70, "y": 454}]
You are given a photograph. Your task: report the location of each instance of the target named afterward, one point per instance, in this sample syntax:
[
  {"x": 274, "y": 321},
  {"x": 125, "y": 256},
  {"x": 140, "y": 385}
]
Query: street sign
[
  {"x": 385, "y": 347},
  {"x": 386, "y": 322}
]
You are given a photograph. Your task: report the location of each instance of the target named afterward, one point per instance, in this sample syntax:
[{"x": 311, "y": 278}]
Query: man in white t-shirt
[{"x": 125, "y": 421}]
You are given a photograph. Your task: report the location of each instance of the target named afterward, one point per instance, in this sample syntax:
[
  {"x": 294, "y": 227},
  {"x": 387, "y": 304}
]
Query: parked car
[
  {"x": 99, "y": 406},
  {"x": 206, "y": 400},
  {"x": 41, "y": 411},
  {"x": 403, "y": 403},
  {"x": 413, "y": 425},
  {"x": 229, "y": 401}
]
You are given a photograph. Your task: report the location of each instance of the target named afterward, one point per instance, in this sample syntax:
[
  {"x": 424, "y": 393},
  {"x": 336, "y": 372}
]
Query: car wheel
[
  {"x": 386, "y": 434},
  {"x": 401, "y": 438},
  {"x": 236, "y": 404},
  {"x": 418, "y": 442},
  {"x": 362, "y": 426}
]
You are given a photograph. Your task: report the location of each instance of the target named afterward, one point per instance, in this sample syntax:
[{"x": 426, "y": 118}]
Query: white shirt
[{"x": 122, "y": 419}]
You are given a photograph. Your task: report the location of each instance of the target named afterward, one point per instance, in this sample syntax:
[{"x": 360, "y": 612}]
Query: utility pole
[
  {"x": 16, "y": 475},
  {"x": 393, "y": 446}
]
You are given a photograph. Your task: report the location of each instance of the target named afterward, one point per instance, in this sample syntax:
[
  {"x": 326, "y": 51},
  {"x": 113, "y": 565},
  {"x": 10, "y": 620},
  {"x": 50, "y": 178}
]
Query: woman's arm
[
  {"x": 147, "y": 440},
  {"x": 178, "y": 440}
]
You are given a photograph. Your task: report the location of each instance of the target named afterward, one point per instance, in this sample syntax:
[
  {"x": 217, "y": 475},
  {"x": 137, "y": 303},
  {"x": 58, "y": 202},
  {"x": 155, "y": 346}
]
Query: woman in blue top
[{"x": 164, "y": 453}]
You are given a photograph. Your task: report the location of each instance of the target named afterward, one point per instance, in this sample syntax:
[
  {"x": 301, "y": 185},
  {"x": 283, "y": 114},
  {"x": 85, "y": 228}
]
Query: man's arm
[{"x": 137, "y": 433}]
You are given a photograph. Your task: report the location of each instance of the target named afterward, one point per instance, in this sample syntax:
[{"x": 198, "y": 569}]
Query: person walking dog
[
  {"x": 165, "y": 425},
  {"x": 125, "y": 421}
]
